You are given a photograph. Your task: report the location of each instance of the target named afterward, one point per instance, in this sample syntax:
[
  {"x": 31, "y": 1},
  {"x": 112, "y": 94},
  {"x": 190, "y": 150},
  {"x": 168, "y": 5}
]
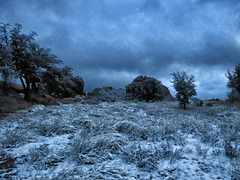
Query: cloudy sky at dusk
[{"x": 110, "y": 42}]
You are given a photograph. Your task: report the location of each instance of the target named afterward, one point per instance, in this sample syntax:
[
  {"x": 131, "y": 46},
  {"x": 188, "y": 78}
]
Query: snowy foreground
[{"x": 121, "y": 140}]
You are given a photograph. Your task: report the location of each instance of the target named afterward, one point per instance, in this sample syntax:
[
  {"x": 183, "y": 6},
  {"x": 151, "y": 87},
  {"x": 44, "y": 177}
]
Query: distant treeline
[{"x": 38, "y": 70}]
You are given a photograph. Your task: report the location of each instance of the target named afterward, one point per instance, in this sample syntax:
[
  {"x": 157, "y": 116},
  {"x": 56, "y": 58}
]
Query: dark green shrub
[
  {"x": 60, "y": 82},
  {"x": 145, "y": 88}
]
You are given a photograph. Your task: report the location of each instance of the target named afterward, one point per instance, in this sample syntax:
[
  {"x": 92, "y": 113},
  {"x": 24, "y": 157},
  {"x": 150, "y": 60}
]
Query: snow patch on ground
[{"x": 121, "y": 140}]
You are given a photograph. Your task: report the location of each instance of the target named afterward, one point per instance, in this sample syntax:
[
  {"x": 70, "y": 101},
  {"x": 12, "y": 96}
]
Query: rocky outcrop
[
  {"x": 166, "y": 94},
  {"x": 105, "y": 94},
  {"x": 145, "y": 88}
]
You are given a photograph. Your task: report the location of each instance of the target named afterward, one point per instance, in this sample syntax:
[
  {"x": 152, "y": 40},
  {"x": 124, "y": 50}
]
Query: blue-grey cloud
[{"x": 110, "y": 42}]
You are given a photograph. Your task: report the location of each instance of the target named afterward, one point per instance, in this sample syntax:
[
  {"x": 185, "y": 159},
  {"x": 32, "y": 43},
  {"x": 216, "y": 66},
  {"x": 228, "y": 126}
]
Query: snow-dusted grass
[{"x": 121, "y": 140}]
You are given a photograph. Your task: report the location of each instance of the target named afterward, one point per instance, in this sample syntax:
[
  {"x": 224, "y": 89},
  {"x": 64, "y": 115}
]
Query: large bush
[{"x": 145, "y": 88}]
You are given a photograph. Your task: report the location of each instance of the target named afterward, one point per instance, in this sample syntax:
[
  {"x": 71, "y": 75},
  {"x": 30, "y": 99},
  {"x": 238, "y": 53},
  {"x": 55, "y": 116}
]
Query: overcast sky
[{"x": 110, "y": 42}]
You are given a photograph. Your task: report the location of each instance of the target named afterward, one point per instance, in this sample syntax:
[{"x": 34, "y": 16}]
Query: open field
[{"x": 121, "y": 140}]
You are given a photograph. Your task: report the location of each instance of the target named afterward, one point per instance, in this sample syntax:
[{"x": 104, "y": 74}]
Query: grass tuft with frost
[{"x": 121, "y": 140}]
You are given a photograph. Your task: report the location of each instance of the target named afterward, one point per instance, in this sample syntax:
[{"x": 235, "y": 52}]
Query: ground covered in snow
[{"x": 121, "y": 140}]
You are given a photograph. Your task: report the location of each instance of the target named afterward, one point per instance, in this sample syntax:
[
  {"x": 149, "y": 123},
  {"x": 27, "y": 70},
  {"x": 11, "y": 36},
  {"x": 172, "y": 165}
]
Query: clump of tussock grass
[
  {"x": 143, "y": 157},
  {"x": 232, "y": 150},
  {"x": 85, "y": 124},
  {"x": 230, "y": 132},
  {"x": 42, "y": 157},
  {"x": 37, "y": 157},
  {"x": 155, "y": 133},
  {"x": 235, "y": 169},
  {"x": 104, "y": 126},
  {"x": 72, "y": 172},
  {"x": 201, "y": 151},
  {"x": 147, "y": 158},
  {"x": 92, "y": 149},
  {"x": 56, "y": 127},
  {"x": 212, "y": 137},
  {"x": 131, "y": 129},
  {"x": 13, "y": 137},
  {"x": 171, "y": 134}
]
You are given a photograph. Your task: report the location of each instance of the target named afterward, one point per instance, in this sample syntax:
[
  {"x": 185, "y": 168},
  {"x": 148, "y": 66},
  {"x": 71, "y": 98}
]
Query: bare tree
[{"x": 185, "y": 87}]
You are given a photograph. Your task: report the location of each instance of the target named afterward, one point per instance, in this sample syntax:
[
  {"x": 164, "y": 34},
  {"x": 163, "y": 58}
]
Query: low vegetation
[
  {"x": 122, "y": 140},
  {"x": 104, "y": 136}
]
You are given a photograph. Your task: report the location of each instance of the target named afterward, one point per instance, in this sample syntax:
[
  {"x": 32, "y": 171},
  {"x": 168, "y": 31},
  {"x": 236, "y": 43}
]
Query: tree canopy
[
  {"x": 21, "y": 57},
  {"x": 234, "y": 79},
  {"x": 185, "y": 87}
]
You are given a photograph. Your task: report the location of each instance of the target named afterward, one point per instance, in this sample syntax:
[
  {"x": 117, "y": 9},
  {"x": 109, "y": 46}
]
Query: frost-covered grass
[{"x": 121, "y": 140}]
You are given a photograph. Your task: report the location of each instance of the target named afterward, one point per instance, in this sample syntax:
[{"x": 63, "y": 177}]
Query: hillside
[
  {"x": 121, "y": 140},
  {"x": 11, "y": 100}
]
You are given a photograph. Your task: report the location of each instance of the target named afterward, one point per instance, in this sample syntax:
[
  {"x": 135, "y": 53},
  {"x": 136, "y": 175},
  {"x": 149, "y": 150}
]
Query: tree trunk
[
  {"x": 184, "y": 106},
  {"x": 5, "y": 81},
  {"x": 34, "y": 87},
  {"x": 26, "y": 89},
  {"x": 23, "y": 84}
]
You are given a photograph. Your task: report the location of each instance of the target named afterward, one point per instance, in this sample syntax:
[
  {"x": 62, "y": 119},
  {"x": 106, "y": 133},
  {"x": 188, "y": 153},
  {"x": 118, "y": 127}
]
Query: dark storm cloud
[
  {"x": 216, "y": 51},
  {"x": 108, "y": 41},
  {"x": 232, "y": 2}
]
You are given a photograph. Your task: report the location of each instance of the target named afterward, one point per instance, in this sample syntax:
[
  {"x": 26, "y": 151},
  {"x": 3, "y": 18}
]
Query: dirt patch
[
  {"x": 11, "y": 100},
  {"x": 69, "y": 100},
  {"x": 6, "y": 166},
  {"x": 227, "y": 103},
  {"x": 44, "y": 99},
  {"x": 11, "y": 104}
]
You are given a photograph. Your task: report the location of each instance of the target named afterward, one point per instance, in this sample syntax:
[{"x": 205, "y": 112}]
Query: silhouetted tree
[
  {"x": 5, "y": 64},
  {"x": 41, "y": 60},
  {"x": 59, "y": 82},
  {"x": 5, "y": 54},
  {"x": 185, "y": 87},
  {"x": 234, "y": 79},
  {"x": 19, "y": 53}
]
